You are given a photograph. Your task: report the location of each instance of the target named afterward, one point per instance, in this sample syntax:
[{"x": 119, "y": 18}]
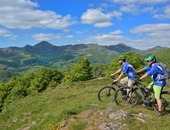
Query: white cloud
[
  {"x": 107, "y": 39},
  {"x": 21, "y": 14},
  {"x": 79, "y": 32},
  {"x": 8, "y": 34},
  {"x": 150, "y": 2},
  {"x": 154, "y": 35},
  {"x": 96, "y": 18},
  {"x": 49, "y": 36},
  {"x": 44, "y": 37},
  {"x": 165, "y": 14},
  {"x": 139, "y": 6},
  {"x": 130, "y": 8},
  {"x": 117, "y": 14},
  {"x": 69, "y": 36},
  {"x": 151, "y": 28}
]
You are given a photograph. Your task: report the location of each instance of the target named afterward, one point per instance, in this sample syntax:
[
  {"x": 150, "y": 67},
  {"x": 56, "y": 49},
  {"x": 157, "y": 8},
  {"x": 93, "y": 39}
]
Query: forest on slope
[{"x": 15, "y": 61}]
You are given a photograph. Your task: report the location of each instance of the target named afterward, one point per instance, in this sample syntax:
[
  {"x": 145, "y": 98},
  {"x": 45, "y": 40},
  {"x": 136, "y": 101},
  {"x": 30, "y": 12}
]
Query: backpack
[{"x": 166, "y": 70}]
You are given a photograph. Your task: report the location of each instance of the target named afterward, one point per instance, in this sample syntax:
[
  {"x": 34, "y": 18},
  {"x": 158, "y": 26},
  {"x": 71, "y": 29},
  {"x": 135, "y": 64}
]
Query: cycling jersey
[
  {"x": 128, "y": 70},
  {"x": 156, "y": 72}
]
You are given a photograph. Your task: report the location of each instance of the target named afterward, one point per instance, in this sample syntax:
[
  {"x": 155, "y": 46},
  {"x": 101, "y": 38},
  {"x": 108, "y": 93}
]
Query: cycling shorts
[{"x": 156, "y": 89}]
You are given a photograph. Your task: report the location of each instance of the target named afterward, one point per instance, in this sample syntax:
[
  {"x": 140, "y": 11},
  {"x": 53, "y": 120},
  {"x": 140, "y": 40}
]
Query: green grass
[
  {"x": 46, "y": 110},
  {"x": 77, "y": 125}
]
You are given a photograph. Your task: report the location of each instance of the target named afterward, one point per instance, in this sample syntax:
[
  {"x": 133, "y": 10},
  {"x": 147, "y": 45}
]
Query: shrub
[{"x": 79, "y": 72}]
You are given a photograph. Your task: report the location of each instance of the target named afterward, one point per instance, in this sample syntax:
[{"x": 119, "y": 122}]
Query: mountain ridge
[
  {"x": 19, "y": 60},
  {"x": 120, "y": 47}
]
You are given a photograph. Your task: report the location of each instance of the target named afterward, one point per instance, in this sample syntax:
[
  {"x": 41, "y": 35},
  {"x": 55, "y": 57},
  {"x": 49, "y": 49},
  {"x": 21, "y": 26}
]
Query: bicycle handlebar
[{"x": 112, "y": 77}]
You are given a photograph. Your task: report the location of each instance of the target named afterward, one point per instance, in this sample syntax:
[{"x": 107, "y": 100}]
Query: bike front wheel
[
  {"x": 106, "y": 94},
  {"x": 126, "y": 96}
]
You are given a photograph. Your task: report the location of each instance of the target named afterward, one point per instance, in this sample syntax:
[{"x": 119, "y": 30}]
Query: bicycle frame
[{"x": 140, "y": 87}]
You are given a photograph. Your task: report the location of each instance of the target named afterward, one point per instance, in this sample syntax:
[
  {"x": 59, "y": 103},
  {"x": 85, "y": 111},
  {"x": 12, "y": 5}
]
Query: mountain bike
[
  {"x": 149, "y": 100},
  {"x": 106, "y": 93}
]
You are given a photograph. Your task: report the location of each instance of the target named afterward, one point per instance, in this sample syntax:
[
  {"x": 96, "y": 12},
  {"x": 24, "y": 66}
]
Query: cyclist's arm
[
  {"x": 139, "y": 71},
  {"x": 117, "y": 72},
  {"x": 145, "y": 69},
  {"x": 121, "y": 74},
  {"x": 143, "y": 76}
]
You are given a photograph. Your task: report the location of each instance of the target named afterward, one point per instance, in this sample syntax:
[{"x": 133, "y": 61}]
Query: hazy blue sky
[{"x": 141, "y": 24}]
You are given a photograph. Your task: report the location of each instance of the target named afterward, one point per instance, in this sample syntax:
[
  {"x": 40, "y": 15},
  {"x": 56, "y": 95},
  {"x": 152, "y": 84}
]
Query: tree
[
  {"x": 98, "y": 70},
  {"x": 80, "y": 71},
  {"x": 30, "y": 83},
  {"x": 43, "y": 78}
]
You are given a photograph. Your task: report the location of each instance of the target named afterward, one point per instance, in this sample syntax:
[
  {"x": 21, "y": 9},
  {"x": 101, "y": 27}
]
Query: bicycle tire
[
  {"x": 106, "y": 94},
  {"x": 122, "y": 99}
]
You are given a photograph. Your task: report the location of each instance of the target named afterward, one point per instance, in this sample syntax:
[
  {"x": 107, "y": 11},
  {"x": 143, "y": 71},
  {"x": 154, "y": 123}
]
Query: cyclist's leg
[
  {"x": 124, "y": 81},
  {"x": 157, "y": 91},
  {"x": 130, "y": 84},
  {"x": 127, "y": 81},
  {"x": 150, "y": 89}
]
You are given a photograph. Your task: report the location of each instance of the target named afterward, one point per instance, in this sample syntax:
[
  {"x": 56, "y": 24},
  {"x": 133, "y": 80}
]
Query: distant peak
[
  {"x": 158, "y": 47},
  {"x": 122, "y": 44},
  {"x": 43, "y": 44},
  {"x": 27, "y": 46}
]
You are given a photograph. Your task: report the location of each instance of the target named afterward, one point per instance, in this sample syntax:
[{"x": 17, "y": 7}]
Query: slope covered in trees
[{"x": 15, "y": 61}]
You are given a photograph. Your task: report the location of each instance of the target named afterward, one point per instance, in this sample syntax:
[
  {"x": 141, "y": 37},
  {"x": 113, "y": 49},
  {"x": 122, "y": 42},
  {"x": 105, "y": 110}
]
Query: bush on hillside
[
  {"x": 98, "y": 70},
  {"x": 31, "y": 83},
  {"x": 80, "y": 71}
]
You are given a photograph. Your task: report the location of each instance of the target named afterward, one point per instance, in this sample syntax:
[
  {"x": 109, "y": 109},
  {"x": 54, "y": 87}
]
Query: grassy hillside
[{"x": 47, "y": 110}]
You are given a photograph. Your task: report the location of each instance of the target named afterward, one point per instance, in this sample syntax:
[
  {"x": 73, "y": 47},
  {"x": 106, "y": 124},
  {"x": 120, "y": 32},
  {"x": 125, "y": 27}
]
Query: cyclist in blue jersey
[
  {"x": 126, "y": 69},
  {"x": 155, "y": 71}
]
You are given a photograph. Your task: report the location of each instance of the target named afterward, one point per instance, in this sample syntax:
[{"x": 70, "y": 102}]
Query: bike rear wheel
[
  {"x": 106, "y": 94},
  {"x": 164, "y": 104},
  {"x": 121, "y": 97}
]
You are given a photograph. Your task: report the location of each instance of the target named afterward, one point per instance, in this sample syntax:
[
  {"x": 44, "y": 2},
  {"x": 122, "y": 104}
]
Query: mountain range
[{"x": 17, "y": 60}]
